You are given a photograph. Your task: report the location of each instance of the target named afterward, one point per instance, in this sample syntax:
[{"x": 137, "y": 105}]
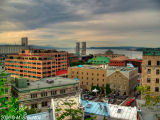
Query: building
[
  {"x": 121, "y": 79},
  {"x": 99, "y": 60},
  {"x": 77, "y": 48},
  {"x": 118, "y": 61},
  {"x": 146, "y": 113},
  {"x": 110, "y": 56},
  {"x": 151, "y": 70},
  {"x": 14, "y": 49},
  {"x": 36, "y": 63},
  {"x": 72, "y": 59},
  {"x": 6, "y": 91},
  {"x": 110, "y": 111},
  {"x": 83, "y": 48},
  {"x": 136, "y": 63},
  {"x": 38, "y": 94}
]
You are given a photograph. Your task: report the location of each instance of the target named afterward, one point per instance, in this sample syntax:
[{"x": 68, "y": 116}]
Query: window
[
  {"x": 97, "y": 74},
  {"x": 38, "y": 63},
  {"x": 53, "y": 92},
  {"x": 156, "y": 89},
  {"x": 97, "y": 79},
  {"x": 34, "y": 95},
  {"x": 44, "y": 104},
  {"x": 149, "y": 62},
  {"x": 149, "y": 71},
  {"x": 43, "y": 94},
  {"x": 34, "y": 106},
  {"x": 157, "y": 80},
  {"x": 62, "y": 91},
  {"x": 87, "y": 83},
  {"x": 148, "y": 80},
  {"x": 158, "y": 62},
  {"x": 157, "y": 71}
]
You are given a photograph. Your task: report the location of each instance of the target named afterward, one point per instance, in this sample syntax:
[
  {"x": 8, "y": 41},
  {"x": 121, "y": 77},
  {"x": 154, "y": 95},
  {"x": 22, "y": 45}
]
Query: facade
[
  {"x": 118, "y": 61},
  {"x": 77, "y": 48},
  {"x": 122, "y": 79},
  {"x": 99, "y": 60},
  {"x": 38, "y": 94},
  {"x": 72, "y": 59},
  {"x": 24, "y": 41},
  {"x": 36, "y": 63},
  {"x": 14, "y": 49},
  {"x": 151, "y": 70},
  {"x": 83, "y": 48}
]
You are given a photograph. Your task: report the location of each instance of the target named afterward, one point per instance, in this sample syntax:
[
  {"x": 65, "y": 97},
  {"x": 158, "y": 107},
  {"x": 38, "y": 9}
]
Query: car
[{"x": 130, "y": 102}]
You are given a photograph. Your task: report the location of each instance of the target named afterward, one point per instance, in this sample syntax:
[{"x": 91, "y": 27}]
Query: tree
[
  {"x": 9, "y": 108},
  {"x": 108, "y": 89},
  {"x": 73, "y": 114},
  {"x": 31, "y": 110}
]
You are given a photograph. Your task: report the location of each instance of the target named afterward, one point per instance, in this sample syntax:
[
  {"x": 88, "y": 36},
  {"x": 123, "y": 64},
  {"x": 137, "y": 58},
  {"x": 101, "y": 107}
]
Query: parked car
[
  {"x": 112, "y": 101},
  {"x": 130, "y": 102}
]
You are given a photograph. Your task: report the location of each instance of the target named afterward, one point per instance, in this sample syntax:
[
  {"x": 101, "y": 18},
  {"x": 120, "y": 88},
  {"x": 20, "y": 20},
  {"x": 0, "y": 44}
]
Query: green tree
[
  {"x": 73, "y": 114},
  {"x": 9, "y": 108},
  {"x": 31, "y": 110},
  {"x": 108, "y": 89}
]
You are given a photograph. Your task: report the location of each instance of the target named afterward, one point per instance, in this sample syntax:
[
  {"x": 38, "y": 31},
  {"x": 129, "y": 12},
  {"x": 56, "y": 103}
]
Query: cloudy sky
[{"x": 61, "y": 23}]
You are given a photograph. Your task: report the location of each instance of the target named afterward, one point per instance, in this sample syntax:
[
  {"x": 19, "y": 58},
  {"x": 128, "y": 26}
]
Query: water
[{"x": 130, "y": 54}]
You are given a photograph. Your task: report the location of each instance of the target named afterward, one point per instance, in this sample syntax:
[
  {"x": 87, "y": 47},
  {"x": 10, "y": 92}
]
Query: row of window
[
  {"x": 157, "y": 71},
  {"x": 86, "y": 73},
  {"x": 44, "y": 104},
  {"x": 43, "y": 94},
  {"x": 150, "y": 63},
  {"x": 92, "y": 84},
  {"x": 149, "y": 80}
]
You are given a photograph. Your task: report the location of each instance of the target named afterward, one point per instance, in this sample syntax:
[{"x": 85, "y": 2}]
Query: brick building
[
  {"x": 36, "y": 63},
  {"x": 38, "y": 94},
  {"x": 151, "y": 70},
  {"x": 118, "y": 61}
]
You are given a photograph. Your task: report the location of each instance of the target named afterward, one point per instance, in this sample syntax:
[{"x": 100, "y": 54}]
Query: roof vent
[
  {"x": 50, "y": 81},
  {"x": 119, "y": 110}
]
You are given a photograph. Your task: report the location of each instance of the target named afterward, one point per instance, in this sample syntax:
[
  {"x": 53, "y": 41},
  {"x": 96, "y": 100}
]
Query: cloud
[{"x": 115, "y": 22}]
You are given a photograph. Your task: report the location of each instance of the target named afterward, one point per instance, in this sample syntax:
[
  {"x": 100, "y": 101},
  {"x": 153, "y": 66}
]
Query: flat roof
[
  {"x": 42, "y": 84},
  {"x": 105, "y": 67}
]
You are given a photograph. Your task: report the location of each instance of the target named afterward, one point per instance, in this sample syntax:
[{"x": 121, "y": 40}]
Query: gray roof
[
  {"x": 42, "y": 84},
  {"x": 146, "y": 113}
]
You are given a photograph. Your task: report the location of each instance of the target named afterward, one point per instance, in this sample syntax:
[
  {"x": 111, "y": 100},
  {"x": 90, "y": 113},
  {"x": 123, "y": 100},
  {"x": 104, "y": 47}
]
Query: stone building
[
  {"x": 38, "y": 94},
  {"x": 151, "y": 70},
  {"x": 36, "y": 63},
  {"x": 121, "y": 79}
]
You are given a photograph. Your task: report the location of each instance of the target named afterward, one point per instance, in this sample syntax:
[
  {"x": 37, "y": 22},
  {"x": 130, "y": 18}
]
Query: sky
[{"x": 62, "y": 23}]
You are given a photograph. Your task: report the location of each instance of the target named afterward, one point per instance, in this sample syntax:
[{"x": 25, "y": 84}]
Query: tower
[
  {"x": 77, "y": 48},
  {"x": 24, "y": 41},
  {"x": 83, "y": 48}
]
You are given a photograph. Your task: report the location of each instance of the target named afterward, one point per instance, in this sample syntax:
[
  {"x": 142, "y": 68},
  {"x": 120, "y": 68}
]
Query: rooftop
[
  {"x": 106, "y": 67},
  {"x": 146, "y": 113},
  {"x": 120, "y": 58},
  {"x": 151, "y": 52},
  {"x": 97, "y": 108},
  {"x": 50, "y": 82}
]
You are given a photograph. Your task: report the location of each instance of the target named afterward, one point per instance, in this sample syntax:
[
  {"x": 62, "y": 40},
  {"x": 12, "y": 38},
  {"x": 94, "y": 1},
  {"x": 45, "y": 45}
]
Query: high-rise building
[
  {"x": 24, "y": 41},
  {"x": 151, "y": 70},
  {"x": 77, "y": 48},
  {"x": 36, "y": 63},
  {"x": 83, "y": 48}
]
